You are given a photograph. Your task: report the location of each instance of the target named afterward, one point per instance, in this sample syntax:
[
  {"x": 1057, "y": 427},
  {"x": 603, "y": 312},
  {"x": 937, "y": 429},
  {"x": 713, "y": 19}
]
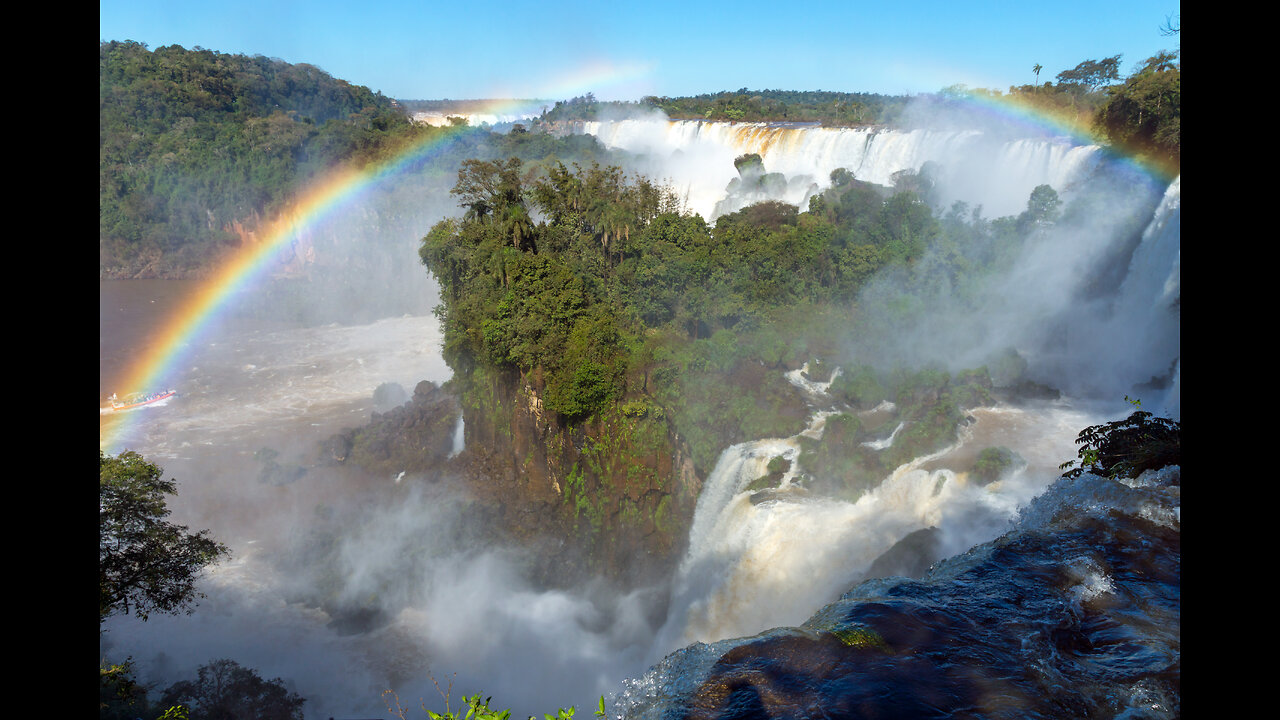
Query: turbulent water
[
  {"x": 1060, "y": 598},
  {"x": 1074, "y": 612}
]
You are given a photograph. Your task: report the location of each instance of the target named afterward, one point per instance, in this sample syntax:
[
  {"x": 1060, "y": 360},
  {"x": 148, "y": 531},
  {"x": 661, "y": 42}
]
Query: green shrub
[{"x": 994, "y": 462}]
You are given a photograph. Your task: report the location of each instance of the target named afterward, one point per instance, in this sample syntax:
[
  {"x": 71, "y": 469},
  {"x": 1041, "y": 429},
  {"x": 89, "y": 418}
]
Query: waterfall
[
  {"x": 459, "y": 437},
  {"x": 887, "y": 442},
  {"x": 1147, "y": 310},
  {"x": 1113, "y": 343},
  {"x": 753, "y": 566},
  {"x": 696, "y": 158},
  {"x": 800, "y": 378}
]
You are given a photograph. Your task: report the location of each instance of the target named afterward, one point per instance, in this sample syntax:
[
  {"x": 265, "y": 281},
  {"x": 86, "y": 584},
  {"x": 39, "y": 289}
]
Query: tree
[
  {"x": 1036, "y": 69},
  {"x": 1043, "y": 205},
  {"x": 1092, "y": 74},
  {"x": 486, "y": 187},
  {"x": 224, "y": 690},
  {"x": 1128, "y": 447},
  {"x": 1143, "y": 114},
  {"x": 144, "y": 563},
  {"x": 121, "y": 697}
]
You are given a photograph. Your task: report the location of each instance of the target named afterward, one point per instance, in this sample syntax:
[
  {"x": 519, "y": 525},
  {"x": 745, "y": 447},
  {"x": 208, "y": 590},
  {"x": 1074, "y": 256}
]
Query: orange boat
[{"x": 138, "y": 400}]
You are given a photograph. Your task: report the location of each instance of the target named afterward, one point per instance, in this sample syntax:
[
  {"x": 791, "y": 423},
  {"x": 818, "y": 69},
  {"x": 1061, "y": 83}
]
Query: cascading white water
[
  {"x": 882, "y": 444},
  {"x": 696, "y": 157},
  {"x": 1145, "y": 321},
  {"x": 800, "y": 378},
  {"x": 754, "y": 566},
  {"x": 459, "y": 437}
]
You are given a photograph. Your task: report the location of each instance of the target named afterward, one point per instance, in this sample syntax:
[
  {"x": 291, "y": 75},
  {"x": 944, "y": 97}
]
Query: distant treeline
[
  {"x": 818, "y": 106},
  {"x": 812, "y": 106},
  {"x": 1140, "y": 114}
]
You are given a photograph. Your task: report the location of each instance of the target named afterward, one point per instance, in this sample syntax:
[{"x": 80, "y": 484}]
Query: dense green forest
[
  {"x": 198, "y": 146},
  {"x": 1140, "y": 114},
  {"x": 192, "y": 141}
]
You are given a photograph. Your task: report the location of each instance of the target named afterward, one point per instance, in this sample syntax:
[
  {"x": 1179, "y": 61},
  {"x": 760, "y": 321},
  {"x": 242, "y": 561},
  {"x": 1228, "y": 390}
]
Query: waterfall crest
[{"x": 696, "y": 157}]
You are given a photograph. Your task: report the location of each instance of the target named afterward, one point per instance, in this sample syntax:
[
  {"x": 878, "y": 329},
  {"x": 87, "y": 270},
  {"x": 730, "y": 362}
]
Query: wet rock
[
  {"x": 388, "y": 396},
  {"x": 414, "y": 437},
  {"x": 1028, "y": 390},
  {"x": 911, "y": 557},
  {"x": 776, "y": 493}
]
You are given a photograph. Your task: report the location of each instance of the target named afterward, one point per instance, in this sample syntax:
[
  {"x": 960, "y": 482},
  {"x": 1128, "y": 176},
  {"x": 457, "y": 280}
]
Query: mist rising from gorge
[
  {"x": 1091, "y": 302},
  {"x": 426, "y": 595}
]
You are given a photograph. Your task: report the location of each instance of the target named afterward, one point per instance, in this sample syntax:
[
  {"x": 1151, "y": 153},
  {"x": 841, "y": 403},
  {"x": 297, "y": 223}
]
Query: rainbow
[
  {"x": 170, "y": 344},
  {"x": 254, "y": 259},
  {"x": 1024, "y": 111}
]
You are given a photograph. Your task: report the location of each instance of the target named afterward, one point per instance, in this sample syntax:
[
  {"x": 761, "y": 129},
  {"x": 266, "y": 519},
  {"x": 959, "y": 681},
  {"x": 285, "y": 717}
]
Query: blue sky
[{"x": 622, "y": 50}]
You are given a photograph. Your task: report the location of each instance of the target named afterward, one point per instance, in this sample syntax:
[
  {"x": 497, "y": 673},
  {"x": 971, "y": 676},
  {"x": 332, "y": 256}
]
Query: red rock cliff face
[{"x": 611, "y": 496}]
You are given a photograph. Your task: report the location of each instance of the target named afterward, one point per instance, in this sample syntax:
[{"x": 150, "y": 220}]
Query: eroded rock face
[
  {"x": 910, "y": 557},
  {"x": 415, "y": 437},
  {"x": 612, "y": 496},
  {"x": 614, "y": 493}
]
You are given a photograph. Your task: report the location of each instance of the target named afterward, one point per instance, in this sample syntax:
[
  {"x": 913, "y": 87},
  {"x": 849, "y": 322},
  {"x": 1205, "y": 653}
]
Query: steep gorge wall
[{"x": 612, "y": 496}]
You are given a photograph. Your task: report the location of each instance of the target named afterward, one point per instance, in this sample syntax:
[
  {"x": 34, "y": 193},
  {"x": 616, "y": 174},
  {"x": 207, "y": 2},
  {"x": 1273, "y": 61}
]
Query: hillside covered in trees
[
  {"x": 199, "y": 148},
  {"x": 1139, "y": 114},
  {"x": 194, "y": 142}
]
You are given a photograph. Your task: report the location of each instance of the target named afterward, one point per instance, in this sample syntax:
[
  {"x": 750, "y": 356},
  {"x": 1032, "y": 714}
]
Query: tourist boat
[{"x": 138, "y": 399}]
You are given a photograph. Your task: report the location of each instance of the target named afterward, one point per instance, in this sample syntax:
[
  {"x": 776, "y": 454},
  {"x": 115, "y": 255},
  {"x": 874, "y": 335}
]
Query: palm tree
[
  {"x": 1036, "y": 69},
  {"x": 520, "y": 226}
]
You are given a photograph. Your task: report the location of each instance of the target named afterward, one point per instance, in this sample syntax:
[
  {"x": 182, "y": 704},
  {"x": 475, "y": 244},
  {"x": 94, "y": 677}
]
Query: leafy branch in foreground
[
  {"x": 145, "y": 564},
  {"x": 477, "y": 708},
  {"x": 1126, "y": 448}
]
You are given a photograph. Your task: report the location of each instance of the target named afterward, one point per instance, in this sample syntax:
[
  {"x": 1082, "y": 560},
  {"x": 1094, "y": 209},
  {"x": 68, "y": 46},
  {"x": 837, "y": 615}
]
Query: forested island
[{"x": 607, "y": 344}]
